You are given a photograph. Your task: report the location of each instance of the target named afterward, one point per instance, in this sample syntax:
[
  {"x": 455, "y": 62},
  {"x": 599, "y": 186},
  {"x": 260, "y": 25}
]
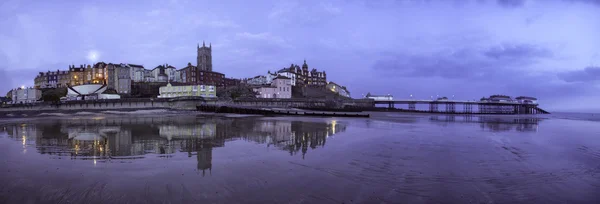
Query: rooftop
[
  {"x": 282, "y": 77},
  {"x": 136, "y": 65},
  {"x": 526, "y": 97}
]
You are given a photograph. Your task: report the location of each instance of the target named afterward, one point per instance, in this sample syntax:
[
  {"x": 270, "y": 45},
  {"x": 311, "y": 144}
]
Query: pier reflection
[
  {"x": 134, "y": 138},
  {"x": 493, "y": 123}
]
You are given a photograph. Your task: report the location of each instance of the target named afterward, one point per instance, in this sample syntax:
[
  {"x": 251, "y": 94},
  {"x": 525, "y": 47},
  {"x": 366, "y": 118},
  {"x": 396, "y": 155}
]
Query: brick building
[
  {"x": 202, "y": 73},
  {"x": 304, "y": 77}
]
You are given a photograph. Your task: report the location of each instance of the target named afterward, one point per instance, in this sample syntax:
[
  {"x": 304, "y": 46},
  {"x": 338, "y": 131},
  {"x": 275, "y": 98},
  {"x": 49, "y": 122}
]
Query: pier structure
[{"x": 468, "y": 107}]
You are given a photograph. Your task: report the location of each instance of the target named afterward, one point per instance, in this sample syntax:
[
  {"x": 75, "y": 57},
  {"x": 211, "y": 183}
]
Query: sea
[{"x": 190, "y": 157}]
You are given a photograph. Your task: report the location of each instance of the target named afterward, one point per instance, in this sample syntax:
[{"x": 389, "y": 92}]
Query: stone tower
[{"x": 204, "y": 57}]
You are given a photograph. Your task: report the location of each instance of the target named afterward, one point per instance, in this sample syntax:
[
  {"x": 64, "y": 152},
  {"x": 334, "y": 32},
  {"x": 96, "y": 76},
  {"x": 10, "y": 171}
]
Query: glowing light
[
  {"x": 22, "y": 87},
  {"x": 94, "y": 162},
  {"x": 93, "y": 56},
  {"x": 333, "y": 123}
]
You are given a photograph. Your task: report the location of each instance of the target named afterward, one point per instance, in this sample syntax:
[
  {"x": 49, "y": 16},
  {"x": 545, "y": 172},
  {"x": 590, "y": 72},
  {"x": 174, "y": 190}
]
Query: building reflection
[
  {"x": 132, "y": 138},
  {"x": 494, "y": 124}
]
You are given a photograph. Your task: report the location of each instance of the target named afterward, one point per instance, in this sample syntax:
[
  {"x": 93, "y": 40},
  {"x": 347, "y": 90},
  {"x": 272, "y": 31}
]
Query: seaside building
[
  {"x": 40, "y": 81},
  {"x": 76, "y": 75},
  {"x": 194, "y": 75},
  {"x": 159, "y": 73},
  {"x": 170, "y": 91},
  {"x": 63, "y": 79},
  {"x": 137, "y": 72},
  {"x": 4, "y": 100},
  {"x": 25, "y": 95},
  {"x": 380, "y": 97},
  {"x": 288, "y": 74},
  {"x": 341, "y": 90},
  {"x": 281, "y": 87},
  {"x": 51, "y": 79},
  {"x": 261, "y": 79},
  {"x": 95, "y": 74},
  {"x": 526, "y": 100},
  {"x": 89, "y": 92},
  {"x": 119, "y": 78},
  {"x": 304, "y": 77},
  {"x": 500, "y": 98},
  {"x": 229, "y": 82}
]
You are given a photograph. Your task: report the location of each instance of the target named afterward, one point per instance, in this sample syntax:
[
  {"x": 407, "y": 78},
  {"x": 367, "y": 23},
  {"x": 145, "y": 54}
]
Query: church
[{"x": 202, "y": 73}]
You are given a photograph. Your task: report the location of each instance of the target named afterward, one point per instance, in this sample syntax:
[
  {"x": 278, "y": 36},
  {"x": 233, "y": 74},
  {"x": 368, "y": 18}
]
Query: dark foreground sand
[{"x": 392, "y": 158}]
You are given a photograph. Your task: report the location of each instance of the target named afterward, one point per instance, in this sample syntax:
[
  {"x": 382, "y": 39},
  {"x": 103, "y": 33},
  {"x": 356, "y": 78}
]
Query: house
[
  {"x": 26, "y": 95},
  {"x": 281, "y": 87},
  {"x": 170, "y": 91},
  {"x": 341, "y": 90},
  {"x": 4, "y": 100},
  {"x": 304, "y": 77}
]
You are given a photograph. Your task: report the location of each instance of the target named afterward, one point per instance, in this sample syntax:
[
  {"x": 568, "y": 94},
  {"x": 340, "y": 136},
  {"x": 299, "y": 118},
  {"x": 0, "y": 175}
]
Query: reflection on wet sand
[
  {"x": 132, "y": 138},
  {"x": 493, "y": 124}
]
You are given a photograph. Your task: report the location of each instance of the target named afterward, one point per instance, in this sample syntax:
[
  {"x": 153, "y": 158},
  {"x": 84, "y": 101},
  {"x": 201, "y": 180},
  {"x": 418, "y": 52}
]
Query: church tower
[{"x": 204, "y": 59}]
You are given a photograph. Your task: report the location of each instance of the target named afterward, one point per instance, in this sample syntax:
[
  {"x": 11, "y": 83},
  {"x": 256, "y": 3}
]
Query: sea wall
[
  {"x": 182, "y": 104},
  {"x": 122, "y": 104},
  {"x": 298, "y": 103}
]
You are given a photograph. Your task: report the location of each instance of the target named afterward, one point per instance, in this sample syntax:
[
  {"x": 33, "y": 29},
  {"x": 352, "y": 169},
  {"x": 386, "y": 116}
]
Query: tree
[
  {"x": 53, "y": 95},
  {"x": 236, "y": 92}
]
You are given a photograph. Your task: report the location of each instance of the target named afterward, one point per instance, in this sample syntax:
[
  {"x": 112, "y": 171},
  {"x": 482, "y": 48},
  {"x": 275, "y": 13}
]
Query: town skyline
[{"x": 544, "y": 49}]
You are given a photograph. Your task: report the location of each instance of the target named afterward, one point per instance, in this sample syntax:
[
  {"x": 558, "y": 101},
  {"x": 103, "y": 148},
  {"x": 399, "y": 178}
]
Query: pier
[{"x": 468, "y": 107}]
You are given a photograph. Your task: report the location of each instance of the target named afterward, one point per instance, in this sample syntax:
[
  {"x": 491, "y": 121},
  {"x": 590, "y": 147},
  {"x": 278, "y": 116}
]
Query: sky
[{"x": 549, "y": 49}]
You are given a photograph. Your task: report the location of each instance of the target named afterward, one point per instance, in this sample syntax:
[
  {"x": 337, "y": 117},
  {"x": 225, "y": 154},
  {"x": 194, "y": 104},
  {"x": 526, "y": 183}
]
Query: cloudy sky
[{"x": 469, "y": 49}]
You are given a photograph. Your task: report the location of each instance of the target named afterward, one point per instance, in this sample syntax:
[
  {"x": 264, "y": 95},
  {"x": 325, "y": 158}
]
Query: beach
[{"x": 186, "y": 157}]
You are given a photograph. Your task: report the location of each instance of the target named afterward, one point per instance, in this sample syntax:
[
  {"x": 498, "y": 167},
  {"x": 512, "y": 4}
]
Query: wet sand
[{"x": 390, "y": 158}]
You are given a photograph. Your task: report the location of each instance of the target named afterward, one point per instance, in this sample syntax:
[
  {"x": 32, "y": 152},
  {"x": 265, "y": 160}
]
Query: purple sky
[{"x": 548, "y": 49}]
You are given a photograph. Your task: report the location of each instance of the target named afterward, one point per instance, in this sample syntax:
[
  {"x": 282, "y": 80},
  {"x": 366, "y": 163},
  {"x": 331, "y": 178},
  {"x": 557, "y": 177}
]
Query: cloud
[
  {"x": 267, "y": 37},
  {"x": 511, "y": 52},
  {"x": 511, "y": 3},
  {"x": 466, "y": 63},
  {"x": 588, "y": 74},
  {"x": 303, "y": 13}
]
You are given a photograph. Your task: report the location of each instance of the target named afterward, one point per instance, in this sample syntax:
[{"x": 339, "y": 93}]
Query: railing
[{"x": 452, "y": 101}]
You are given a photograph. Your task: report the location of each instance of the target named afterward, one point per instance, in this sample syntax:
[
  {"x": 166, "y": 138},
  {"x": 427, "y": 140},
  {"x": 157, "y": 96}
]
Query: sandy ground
[{"x": 391, "y": 158}]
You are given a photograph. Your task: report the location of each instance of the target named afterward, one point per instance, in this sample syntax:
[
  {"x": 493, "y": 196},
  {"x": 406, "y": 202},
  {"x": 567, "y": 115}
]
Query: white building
[
  {"x": 173, "y": 75},
  {"x": 25, "y": 95},
  {"x": 336, "y": 88},
  {"x": 500, "y": 98},
  {"x": 268, "y": 78},
  {"x": 380, "y": 97},
  {"x": 170, "y": 91},
  {"x": 290, "y": 75},
  {"x": 526, "y": 100},
  {"x": 281, "y": 87},
  {"x": 257, "y": 80},
  {"x": 119, "y": 78},
  {"x": 137, "y": 72},
  {"x": 89, "y": 92}
]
